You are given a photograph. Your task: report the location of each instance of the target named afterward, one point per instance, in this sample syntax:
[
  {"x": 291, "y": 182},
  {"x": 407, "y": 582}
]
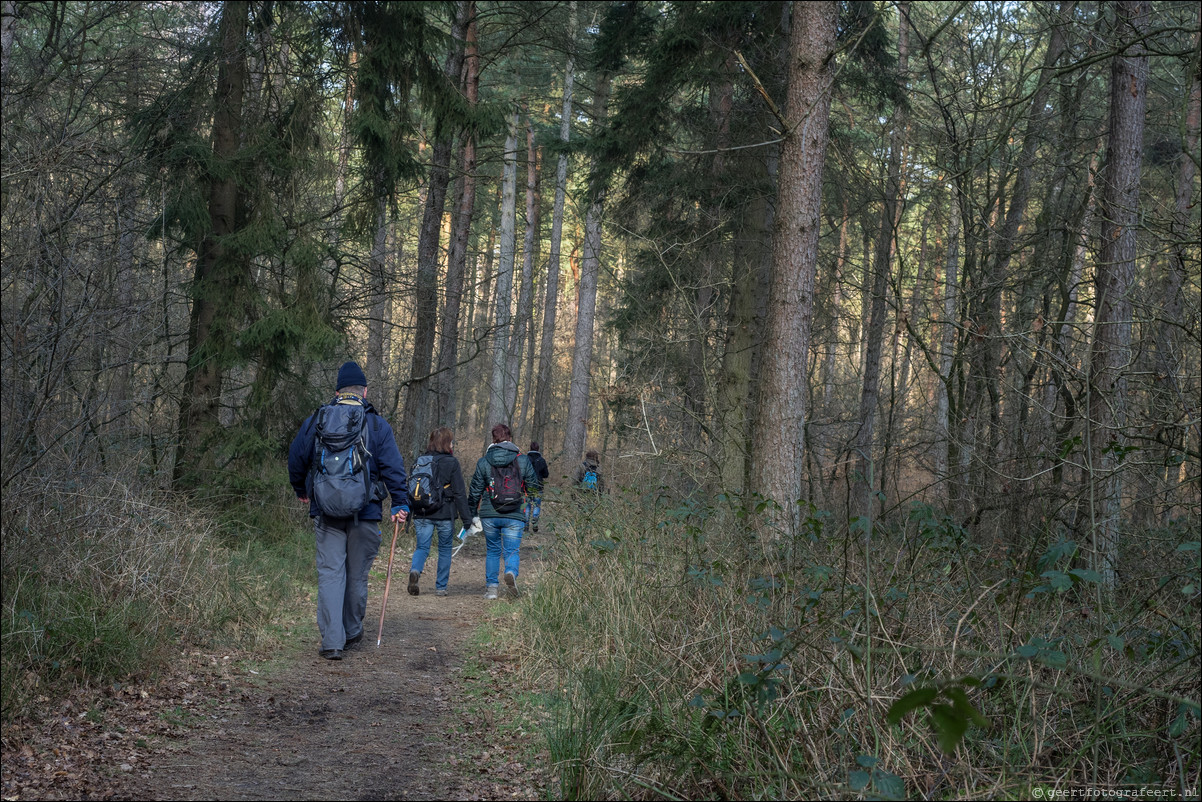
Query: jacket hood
[{"x": 499, "y": 454}]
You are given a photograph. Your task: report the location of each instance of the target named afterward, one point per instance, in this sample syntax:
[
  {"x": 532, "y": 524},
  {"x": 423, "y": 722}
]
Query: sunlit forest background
[{"x": 883, "y": 316}]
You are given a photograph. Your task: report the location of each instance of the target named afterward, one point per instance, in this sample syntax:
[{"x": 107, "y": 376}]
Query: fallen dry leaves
[{"x": 86, "y": 745}]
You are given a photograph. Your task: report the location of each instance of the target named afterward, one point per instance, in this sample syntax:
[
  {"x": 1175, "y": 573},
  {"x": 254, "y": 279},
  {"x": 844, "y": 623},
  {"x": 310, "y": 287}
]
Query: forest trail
[{"x": 383, "y": 723}]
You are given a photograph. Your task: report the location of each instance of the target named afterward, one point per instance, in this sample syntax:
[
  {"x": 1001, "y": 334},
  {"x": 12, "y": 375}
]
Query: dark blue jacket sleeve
[
  {"x": 390, "y": 465},
  {"x": 300, "y": 455}
]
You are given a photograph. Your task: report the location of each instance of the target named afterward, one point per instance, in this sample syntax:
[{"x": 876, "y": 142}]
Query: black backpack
[
  {"x": 342, "y": 484},
  {"x": 425, "y": 491},
  {"x": 505, "y": 487},
  {"x": 538, "y": 464}
]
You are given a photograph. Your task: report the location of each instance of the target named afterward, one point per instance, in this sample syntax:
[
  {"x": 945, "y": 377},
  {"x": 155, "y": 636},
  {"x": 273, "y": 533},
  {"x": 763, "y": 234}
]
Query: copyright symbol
[{"x": 1037, "y": 792}]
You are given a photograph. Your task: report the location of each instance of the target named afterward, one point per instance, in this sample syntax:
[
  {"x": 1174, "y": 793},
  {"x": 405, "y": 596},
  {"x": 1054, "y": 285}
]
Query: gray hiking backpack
[
  {"x": 426, "y": 495},
  {"x": 342, "y": 484}
]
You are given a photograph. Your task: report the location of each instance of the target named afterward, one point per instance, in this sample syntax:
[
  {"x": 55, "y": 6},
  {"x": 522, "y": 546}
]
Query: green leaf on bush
[
  {"x": 911, "y": 701},
  {"x": 949, "y": 726},
  {"x": 1052, "y": 658},
  {"x": 964, "y": 707},
  {"x": 889, "y": 785},
  {"x": 1058, "y": 580},
  {"x": 858, "y": 780},
  {"x": 867, "y": 761},
  {"x": 1087, "y": 575}
]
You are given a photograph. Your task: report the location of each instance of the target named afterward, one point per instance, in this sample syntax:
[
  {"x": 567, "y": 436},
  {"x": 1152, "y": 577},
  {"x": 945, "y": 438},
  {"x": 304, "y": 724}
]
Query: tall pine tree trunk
[
  {"x": 586, "y": 298},
  {"x": 546, "y": 352},
  {"x": 448, "y": 347},
  {"x": 779, "y": 439},
  {"x": 944, "y": 451},
  {"x": 220, "y": 270},
  {"x": 1114, "y": 278},
  {"x": 865, "y": 484},
  {"x": 524, "y": 322},
  {"x": 744, "y": 324},
  {"x": 500, "y": 407},
  {"x": 420, "y": 400},
  {"x": 378, "y": 283},
  {"x": 1174, "y": 413}
]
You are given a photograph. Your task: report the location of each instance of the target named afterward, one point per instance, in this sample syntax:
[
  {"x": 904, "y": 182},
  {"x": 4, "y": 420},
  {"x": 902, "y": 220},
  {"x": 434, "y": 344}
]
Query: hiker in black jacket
[
  {"x": 540, "y": 467},
  {"x": 437, "y": 492}
]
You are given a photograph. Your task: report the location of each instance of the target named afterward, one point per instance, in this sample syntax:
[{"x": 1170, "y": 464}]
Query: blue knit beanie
[{"x": 350, "y": 375}]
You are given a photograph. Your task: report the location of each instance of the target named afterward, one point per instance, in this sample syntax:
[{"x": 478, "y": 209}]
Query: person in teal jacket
[{"x": 502, "y": 482}]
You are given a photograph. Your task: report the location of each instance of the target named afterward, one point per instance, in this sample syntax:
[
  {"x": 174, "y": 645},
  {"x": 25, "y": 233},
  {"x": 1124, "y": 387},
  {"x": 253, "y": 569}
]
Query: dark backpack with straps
[
  {"x": 427, "y": 493},
  {"x": 342, "y": 484},
  {"x": 505, "y": 487}
]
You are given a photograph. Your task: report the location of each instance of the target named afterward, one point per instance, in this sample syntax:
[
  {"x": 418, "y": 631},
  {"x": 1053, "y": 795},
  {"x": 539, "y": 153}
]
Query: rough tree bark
[
  {"x": 542, "y": 397},
  {"x": 586, "y": 298},
  {"x": 779, "y": 432},
  {"x": 421, "y": 399},
  {"x": 866, "y": 482},
  {"x": 525, "y": 318},
  {"x": 500, "y": 407},
  {"x": 1114, "y": 278},
  {"x": 448, "y": 347},
  {"x": 219, "y": 270}
]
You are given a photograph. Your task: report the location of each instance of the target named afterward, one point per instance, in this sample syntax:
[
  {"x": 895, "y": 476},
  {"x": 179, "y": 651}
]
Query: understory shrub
[
  {"x": 691, "y": 659},
  {"x": 104, "y": 579}
]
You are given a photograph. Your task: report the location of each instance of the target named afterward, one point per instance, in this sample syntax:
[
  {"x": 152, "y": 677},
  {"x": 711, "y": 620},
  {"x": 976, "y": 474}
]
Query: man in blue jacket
[{"x": 360, "y": 474}]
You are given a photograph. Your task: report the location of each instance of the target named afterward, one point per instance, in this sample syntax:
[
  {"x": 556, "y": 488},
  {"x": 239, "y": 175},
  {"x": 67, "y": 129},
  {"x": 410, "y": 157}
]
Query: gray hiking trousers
[{"x": 345, "y": 552}]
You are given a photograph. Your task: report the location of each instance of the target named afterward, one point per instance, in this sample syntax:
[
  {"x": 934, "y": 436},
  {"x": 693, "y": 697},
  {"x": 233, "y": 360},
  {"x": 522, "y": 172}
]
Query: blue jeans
[
  {"x": 501, "y": 535},
  {"x": 424, "y": 527},
  {"x": 533, "y": 507}
]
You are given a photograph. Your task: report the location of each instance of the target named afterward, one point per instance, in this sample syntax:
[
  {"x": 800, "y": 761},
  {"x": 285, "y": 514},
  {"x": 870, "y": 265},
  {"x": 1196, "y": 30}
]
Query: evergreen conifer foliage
[{"x": 236, "y": 198}]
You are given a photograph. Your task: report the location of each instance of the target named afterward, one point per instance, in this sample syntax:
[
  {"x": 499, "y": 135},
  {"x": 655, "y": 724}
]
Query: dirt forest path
[{"x": 383, "y": 723}]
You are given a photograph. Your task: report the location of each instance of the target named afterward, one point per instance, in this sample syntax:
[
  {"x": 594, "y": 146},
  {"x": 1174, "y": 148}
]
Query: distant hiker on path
[
  {"x": 436, "y": 493},
  {"x": 342, "y": 463},
  {"x": 540, "y": 467},
  {"x": 588, "y": 475},
  {"x": 501, "y": 484}
]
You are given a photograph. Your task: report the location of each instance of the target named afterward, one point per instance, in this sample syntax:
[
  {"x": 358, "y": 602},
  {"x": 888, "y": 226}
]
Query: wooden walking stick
[{"x": 396, "y": 528}]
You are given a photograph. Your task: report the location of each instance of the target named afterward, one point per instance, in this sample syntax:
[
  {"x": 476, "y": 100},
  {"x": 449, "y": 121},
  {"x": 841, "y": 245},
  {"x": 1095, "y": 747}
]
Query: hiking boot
[
  {"x": 536, "y": 527},
  {"x": 490, "y": 592},
  {"x": 331, "y": 654},
  {"x": 414, "y": 576},
  {"x": 352, "y": 643},
  {"x": 511, "y": 585},
  {"x": 440, "y": 592}
]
